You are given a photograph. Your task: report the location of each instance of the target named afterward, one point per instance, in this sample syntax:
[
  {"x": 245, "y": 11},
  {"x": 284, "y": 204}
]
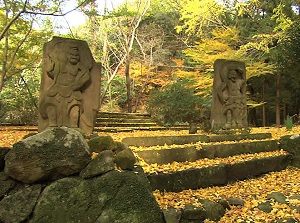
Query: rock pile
[{"x": 51, "y": 177}]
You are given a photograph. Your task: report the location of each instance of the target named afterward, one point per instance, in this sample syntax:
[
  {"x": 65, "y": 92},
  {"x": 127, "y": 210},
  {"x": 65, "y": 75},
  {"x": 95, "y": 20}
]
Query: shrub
[
  {"x": 172, "y": 104},
  {"x": 288, "y": 123}
]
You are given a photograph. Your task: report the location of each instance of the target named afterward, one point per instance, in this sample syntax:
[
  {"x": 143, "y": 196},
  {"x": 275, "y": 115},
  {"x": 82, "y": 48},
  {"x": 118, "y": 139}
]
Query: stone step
[
  {"x": 110, "y": 124},
  {"x": 127, "y": 122},
  {"x": 162, "y": 140},
  {"x": 186, "y": 139},
  {"x": 142, "y": 128},
  {"x": 192, "y": 153},
  {"x": 216, "y": 175},
  {"x": 122, "y": 115},
  {"x": 124, "y": 120}
]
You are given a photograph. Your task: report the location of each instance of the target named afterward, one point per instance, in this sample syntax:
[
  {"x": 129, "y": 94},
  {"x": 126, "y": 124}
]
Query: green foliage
[
  {"x": 21, "y": 55},
  {"x": 174, "y": 103},
  {"x": 116, "y": 95},
  {"x": 19, "y": 99},
  {"x": 288, "y": 123}
]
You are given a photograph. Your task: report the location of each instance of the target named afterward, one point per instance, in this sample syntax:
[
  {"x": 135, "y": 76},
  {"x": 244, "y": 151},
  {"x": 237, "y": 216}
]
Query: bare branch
[
  {"x": 24, "y": 11},
  {"x": 55, "y": 13},
  {"x": 111, "y": 78},
  {"x": 8, "y": 25}
]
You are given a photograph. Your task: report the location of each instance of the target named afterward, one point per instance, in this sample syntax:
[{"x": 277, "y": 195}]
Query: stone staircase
[
  {"x": 257, "y": 148},
  {"x": 127, "y": 122}
]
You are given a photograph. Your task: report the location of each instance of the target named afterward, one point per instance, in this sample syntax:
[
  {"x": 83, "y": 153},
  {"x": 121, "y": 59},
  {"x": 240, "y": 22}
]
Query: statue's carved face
[
  {"x": 232, "y": 75},
  {"x": 73, "y": 55}
]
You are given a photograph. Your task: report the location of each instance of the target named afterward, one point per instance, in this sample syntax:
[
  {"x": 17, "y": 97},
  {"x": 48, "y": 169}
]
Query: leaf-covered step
[
  {"x": 212, "y": 150},
  {"x": 122, "y": 115},
  {"x": 185, "y": 139},
  {"x": 134, "y": 128},
  {"x": 124, "y": 120},
  {"x": 205, "y": 173},
  {"x": 169, "y": 155},
  {"x": 245, "y": 197},
  {"x": 162, "y": 140},
  {"x": 237, "y": 137},
  {"x": 193, "y": 152},
  {"x": 110, "y": 124}
]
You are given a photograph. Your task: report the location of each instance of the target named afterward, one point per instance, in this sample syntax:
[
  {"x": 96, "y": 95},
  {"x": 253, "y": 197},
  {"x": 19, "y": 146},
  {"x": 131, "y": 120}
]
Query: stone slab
[
  {"x": 164, "y": 156},
  {"x": 190, "y": 153},
  {"x": 162, "y": 140},
  {"x": 216, "y": 175},
  {"x": 189, "y": 179}
]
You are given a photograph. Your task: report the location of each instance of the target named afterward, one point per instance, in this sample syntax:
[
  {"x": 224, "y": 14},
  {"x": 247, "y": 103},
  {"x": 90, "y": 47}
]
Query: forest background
[{"x": 150, "y": 46}]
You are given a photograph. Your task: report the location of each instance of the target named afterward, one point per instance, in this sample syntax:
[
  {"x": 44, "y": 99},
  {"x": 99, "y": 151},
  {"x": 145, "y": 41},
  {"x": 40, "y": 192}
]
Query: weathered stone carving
[
  {"x": 229, "y": 109},
  {"x": 70, "y": 87}
]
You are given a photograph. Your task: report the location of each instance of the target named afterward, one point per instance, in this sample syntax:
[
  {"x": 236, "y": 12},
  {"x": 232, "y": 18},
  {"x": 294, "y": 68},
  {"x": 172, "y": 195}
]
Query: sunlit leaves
[
  {"x": 198, "y": 16},
  {"x": 282, "y": 20},
  {"x": 253, "y": 192},
  {"x": 257, "y": 68},
  {"x": 222, "y": 44},
  {"x": 180, "y": 166}
]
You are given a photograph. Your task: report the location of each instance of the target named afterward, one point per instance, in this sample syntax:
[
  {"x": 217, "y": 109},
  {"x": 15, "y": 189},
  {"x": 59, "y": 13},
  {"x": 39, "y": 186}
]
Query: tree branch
[
  {"x": 8, "y": 25},
  {"x": 24, "y": 11},
  {"x": 55, "y": 13}
]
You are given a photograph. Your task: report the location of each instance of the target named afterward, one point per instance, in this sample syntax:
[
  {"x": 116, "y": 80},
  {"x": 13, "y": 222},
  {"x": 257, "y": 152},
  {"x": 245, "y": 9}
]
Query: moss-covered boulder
[
  {"x": 6, "y": 183},
  {"x": 17, "y": 207},
  {"x": 52, "y": 154},
  {"x": 125, "y": 159},
  {"x": 103, "y": 163},
  {"x": 291, "y": 144},
  {"x": 113, "y": 197},
  {"x": 100, "y": 143},
  {"x": 119, "y": 147},
  {"x": 213, "y": 210}
]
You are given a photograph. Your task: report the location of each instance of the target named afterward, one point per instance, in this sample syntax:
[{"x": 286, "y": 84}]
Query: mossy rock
[
  {"x": 265, "y": 207},
  {"x": 214, "y": 211},
  {"x": 112, "y": 197},
  {"x": 119, "y": 147},
  {"x": 125, "y": 159},
  {"x": 101, "y": 143}
]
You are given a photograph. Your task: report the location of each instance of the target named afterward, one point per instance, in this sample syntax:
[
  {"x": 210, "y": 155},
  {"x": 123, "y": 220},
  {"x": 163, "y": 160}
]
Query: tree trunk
[
  {"x": 278, "y": 99},
  {"x": 93, "y": 27},
  {"x": 285, "y": 111},
  {"x": 128, "y": 83},
  {"x": 29, "y": 92},
  {"x": 141, "y": 90},
  {"x": 4, "y": 62}
]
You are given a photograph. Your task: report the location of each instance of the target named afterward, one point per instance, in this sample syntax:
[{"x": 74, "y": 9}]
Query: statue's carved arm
[
  {"x": 221, "y": 97},
  {"x": 49, "y": 67},
  {"x": 83, "y": 78}
]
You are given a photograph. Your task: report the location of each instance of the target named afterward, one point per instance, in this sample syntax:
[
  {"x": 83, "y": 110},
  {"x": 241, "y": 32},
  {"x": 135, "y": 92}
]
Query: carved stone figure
[
  {"x": 229, "y": 109},
  {"x": 70, "y": 87}
]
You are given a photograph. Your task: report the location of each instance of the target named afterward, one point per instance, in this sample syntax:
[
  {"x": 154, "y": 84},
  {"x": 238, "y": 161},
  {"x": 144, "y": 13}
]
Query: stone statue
[
  {"x": 70, "y": 87},
  {"x": 229, "y": 108}
]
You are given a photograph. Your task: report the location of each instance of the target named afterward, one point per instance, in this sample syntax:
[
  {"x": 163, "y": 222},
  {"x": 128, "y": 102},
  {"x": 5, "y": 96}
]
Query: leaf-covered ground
[
  {"x": 252, "y": 191},
  {"x": 11, "y": 134}
]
